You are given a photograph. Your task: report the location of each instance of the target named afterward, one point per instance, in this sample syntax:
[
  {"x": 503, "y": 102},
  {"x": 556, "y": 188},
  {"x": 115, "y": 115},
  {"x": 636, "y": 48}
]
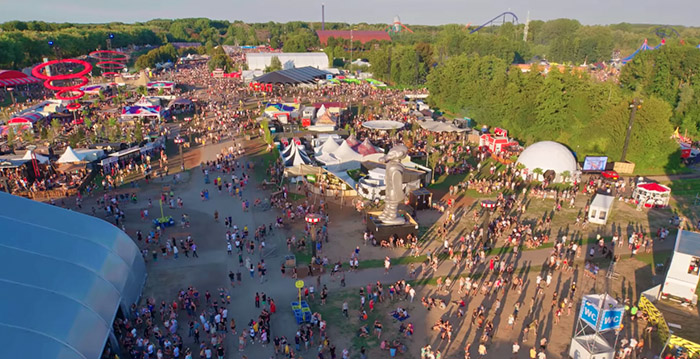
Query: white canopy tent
[
  {"x": 383, "y": 125},
  {"x": 296, "y": 157},
  {"x": 321, "y": 111},
  {"x": 345, "y": 153},
  {"x": 439, "y": 126},
  {"x": 69, "y": 156},
  {"x": 39, "y": 158},
  {"x": 328, "y": 147},
  {"x": 599, "y": 210},
  {"x": 88, "y": 154}
]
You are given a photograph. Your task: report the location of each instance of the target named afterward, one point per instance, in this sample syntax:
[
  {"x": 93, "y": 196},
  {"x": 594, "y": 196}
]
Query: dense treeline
[
  {"x": 671, "y": 74},
  {"x": 562, "y": 40},
  {"x": 21, "y": 48},
  {"x": 590, "y": 117}
]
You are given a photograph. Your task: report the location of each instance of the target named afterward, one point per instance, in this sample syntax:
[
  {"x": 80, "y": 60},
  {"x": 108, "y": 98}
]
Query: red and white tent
[
  {"x": 25, "y": 119},
  {"x": 652, "y": 195},
  {"x": 14, "y": 78}
]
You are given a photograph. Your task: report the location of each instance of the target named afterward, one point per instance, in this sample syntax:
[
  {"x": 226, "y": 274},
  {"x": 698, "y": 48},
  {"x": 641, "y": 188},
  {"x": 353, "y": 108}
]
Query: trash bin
[{"x": 290, "y": 261}]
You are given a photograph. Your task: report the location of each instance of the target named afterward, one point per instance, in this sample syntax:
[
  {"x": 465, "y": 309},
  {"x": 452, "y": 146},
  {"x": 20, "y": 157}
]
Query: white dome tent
[{"x": 549, "y": 156}]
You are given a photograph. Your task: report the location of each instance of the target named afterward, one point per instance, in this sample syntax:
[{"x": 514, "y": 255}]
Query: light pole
[
  {"x": 180, "y": 141},
  {"x": 351, "y": 46},
  {"x": 12, "y": 95},
  {"x": 312, "y": 219},
  {"x": 637, "y": 103}
]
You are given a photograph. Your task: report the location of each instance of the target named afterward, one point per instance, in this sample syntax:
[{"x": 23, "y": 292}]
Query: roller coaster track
[
  {"x": 499, "y": 16},
  {"x": 666, "y": 32}
]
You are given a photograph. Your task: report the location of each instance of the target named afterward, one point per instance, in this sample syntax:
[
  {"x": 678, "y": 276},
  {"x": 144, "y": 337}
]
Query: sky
[{"x": 424, "y": 12}]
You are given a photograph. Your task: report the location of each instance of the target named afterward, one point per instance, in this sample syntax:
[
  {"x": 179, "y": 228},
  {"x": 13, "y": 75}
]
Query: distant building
[
  {"x": 361, "y": 36},
  {"x": 289, "y": 60},
  {"x": 180, "y": 45}
]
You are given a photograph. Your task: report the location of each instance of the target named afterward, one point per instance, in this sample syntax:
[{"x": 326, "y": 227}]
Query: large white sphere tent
[{"x": 548, "y": 156}]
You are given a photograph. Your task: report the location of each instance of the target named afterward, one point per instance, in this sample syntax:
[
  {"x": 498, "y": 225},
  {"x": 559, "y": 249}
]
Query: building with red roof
[{"x": 359, "y": 35}]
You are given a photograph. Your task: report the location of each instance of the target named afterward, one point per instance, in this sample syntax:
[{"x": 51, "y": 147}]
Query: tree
[
  {"x": 56, "y": 128},
  {"x": 275, "y": 64},
  {"x": 219, "y": 60},
  {"x": 138, "y": 132},
  {"x": 538, "y": 171},
  {"x": 11, "y": 137},
  {"x": 566, "y": 175}
]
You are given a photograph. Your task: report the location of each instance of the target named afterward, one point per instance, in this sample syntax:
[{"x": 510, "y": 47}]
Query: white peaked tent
[
  {"x": 345, "y": 153},
  {"x": 287, "y": 150},
  {"x": 69, "y": 156},
  {"x": 321, "y": 111},
  {"x": 39, "y": 158},
  {"x": 296, "y": 157},
  {"x": 327, "y": 147}
]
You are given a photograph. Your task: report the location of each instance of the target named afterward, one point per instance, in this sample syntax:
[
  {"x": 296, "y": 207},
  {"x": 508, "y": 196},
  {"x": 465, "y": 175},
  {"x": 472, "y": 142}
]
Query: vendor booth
[
  {"x": 651, "y": 195},
  {"x": 684, "y": 271},
  {"x": 140, "y": 112},
  {"x": 497, "y": 142},
  {"x": 420, "y": 198},
  {"x": 599, "y": 210},
  {"x": 157, "y": 85}
]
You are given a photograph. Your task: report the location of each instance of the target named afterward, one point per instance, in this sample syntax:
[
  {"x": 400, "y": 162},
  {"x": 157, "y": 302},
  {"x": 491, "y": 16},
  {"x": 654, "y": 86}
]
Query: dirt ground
[
  {"x": 631, "y": 281},
  {"x": 168, "y": 275}
]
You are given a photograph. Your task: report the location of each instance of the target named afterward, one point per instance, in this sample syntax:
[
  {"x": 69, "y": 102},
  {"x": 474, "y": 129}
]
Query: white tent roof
[
  {"x": 65, "y": 274},
  {"x": 87, "y": 154},
  {"x": 327, "y": 147},
  {"x": 439, "y": 126},
  {"x": 548, "y": 155},
  {"x": 328, "y": 159},
  {"x": 296, "y": 157},
  {"x": 321, "y": 111},
  {"x": 40, "y": 158},
  {"x": 383, "y": 125},
  {"x": 69, "y": 156},
  {"x": 346, "y": 153}
]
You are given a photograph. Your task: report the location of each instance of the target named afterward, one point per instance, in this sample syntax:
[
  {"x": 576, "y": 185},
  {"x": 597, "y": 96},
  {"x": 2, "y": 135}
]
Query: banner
[
  {"x": 612, "y": 319},
  {"x": 589, "y": 314}
]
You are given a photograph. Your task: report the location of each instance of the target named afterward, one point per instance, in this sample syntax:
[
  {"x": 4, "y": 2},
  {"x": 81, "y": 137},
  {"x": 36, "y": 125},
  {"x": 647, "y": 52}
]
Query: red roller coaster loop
[
  {"x": 112, "y": 55},
  {"x": 109, "y": 60},
  {"x": 63, "y": 90}
]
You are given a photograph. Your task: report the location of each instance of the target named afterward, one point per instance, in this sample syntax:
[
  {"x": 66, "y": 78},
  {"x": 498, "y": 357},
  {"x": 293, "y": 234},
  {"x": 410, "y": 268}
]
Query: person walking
[{"x": 387, "y": 265}]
